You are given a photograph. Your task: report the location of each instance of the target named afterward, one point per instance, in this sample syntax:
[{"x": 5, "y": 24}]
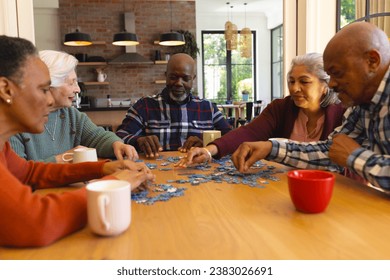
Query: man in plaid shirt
[
  {"x": 173, "y": 119},
  {"x": 357, "y": 59}
]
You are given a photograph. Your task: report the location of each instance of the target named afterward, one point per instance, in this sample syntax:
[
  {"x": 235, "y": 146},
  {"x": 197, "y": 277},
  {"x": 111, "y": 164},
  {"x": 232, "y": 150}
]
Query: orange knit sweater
[{"x": 28, "y": 219}]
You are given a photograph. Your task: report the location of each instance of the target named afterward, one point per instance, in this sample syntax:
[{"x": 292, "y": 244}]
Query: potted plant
[
  {"x": 190, "y": 47},
  {"x": 245, "y": 87},
  {"x": 245, "y": 95}
]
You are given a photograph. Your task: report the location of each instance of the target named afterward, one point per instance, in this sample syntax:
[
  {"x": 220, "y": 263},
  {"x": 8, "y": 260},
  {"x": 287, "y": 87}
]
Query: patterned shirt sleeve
[{"x": 132, "y": 126}]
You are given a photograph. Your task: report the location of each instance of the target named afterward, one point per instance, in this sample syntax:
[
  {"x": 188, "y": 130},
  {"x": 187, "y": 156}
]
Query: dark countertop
[{"x": 114, "y": 108}]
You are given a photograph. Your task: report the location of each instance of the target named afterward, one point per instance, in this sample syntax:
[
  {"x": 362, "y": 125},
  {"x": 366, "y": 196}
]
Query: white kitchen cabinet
[{"x": 17, "y": 19}]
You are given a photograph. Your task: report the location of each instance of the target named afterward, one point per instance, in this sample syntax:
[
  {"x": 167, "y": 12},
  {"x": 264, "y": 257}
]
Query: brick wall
[{"x": 103, "y": 18}]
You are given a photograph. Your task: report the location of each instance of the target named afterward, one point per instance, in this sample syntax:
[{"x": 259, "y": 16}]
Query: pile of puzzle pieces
[{"x": 224, "y": 171}]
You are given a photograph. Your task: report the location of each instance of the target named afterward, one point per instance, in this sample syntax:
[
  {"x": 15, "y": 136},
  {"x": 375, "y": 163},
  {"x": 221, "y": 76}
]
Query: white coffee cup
[
  {"x": 109, "y": 206},
  {"x": 210, "y": 136},
  {"x": 81, "y": 155}
]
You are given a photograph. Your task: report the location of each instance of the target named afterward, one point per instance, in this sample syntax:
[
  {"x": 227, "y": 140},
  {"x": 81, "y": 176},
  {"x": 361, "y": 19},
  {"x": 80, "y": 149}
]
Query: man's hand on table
[
  {"x": 150, "y": 145},
  {"x": 250, "y": 152},
  {"x": 192, "y": 141}
]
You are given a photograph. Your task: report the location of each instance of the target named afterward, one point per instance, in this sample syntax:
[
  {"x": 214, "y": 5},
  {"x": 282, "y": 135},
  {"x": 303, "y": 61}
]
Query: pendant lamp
[
  {"x": 172, "y": 38},
  {"x": 234, "y": 40},
  {"x": 77, "y": 39},
  {"x": 231, "y": 34},
  {"x": 228, "y": 30},
  {"x": 228, "y": 26},
  {"x": 125, "y": 38},
  {"x": 246, "y": 40}
]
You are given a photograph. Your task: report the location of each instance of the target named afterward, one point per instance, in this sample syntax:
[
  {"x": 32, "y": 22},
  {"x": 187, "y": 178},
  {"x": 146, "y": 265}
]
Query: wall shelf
[
  {"x": 160, "y": 62},
  {"x": 96, "y": 83},
  {"x": 92, "y": 64},
  {"x": 98, "y": 65}
]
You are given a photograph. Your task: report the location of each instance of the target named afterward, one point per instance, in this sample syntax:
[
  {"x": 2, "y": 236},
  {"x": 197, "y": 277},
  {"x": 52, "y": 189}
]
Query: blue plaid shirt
[
  {"x": 368, "y": 125},
  {"x": 171, "y": 122}
]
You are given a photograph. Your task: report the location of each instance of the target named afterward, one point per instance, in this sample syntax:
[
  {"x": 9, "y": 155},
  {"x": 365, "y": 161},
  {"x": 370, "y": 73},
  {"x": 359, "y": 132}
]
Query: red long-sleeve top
[{"x": 28, "y": 219}]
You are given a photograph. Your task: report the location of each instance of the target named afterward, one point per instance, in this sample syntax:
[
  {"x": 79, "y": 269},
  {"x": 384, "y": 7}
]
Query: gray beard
[{"x": 179, "y": 99}]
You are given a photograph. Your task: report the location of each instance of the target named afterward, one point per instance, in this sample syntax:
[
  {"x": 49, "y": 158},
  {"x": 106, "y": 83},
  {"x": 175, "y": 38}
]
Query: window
[
  {"x": 225, "y": 73},
  {"x": 277, "y": 62},
  {"x": 374, "y": 11}
]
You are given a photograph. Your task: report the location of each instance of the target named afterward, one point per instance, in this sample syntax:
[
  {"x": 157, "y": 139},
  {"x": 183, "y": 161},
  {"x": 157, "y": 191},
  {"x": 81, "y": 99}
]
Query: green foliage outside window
[
  {"x": 215, "y": 67},
  {"x": 347, "y": 12}
]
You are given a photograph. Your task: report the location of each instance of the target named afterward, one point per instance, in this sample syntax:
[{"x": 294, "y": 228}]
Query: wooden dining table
[{"x": 225, "y": 221}]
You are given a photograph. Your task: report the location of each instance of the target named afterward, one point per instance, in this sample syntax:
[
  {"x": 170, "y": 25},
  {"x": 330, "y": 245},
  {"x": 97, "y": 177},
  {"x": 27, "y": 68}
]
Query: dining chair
[
  {"x": 248, "y": 114},
  {"x": 258, "y": 107}
]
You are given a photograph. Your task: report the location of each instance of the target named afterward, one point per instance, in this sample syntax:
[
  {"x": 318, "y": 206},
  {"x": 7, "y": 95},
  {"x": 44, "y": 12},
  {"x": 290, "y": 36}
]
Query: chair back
[
  {"x": 249, "y": 111},
  {"x": 258, "y": 107}
]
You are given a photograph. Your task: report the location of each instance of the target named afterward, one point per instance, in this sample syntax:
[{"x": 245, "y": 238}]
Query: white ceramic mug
[
  {"x": 210, "y": 136},
  {"x": 109, "y": 206},
  {"x": 81, "y": 155}
]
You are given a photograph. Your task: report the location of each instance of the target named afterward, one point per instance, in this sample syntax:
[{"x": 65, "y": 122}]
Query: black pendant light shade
[
  {"x": 172, "y": 39},
  {"x": 125, "y": 39},
  {"x": 77, "y": 39}
]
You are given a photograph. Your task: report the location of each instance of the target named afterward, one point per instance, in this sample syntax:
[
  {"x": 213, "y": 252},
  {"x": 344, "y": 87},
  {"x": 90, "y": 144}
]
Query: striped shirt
[
  {"x": 171, "y": 122},
  {"x": 368, "y": 125}
]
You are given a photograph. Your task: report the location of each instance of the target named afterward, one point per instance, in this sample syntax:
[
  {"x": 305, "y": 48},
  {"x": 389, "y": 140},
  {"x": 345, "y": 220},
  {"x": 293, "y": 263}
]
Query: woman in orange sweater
[{"x": 29, "y": 219}]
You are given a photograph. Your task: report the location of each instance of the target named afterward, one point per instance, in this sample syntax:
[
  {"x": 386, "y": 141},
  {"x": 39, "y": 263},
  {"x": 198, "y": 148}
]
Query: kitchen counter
[
  {"x": 107, "y": 117},
  {"x": 114, "y": 108}
]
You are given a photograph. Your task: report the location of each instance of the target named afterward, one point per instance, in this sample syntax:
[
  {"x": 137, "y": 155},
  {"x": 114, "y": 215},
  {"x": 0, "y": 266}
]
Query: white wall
[
  {"x": 46, "y": 14},
  {"x": 258, "y": 23},
  {"x": 47, "y": 38},
  {"x": 46, "y": 4}
]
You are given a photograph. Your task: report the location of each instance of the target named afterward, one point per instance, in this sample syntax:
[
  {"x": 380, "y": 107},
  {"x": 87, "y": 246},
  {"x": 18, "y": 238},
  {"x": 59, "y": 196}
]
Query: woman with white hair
[
  {"x": 309, "y": 113},
  {"x": 67, "y": 128}
]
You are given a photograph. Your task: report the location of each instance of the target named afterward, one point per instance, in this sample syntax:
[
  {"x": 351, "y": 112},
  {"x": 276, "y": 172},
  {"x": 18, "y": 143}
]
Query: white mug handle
[
  {"x": 103, "y": 201},
  {"x": 65, "y": 155}
]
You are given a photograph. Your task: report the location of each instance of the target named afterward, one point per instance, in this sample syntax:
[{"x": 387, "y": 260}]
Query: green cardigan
[{"x": 73, "y": 128}]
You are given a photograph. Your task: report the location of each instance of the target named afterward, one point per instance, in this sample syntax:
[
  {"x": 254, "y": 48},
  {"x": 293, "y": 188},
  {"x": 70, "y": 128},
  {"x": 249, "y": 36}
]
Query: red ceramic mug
[{"x": 310, "y": 190}]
